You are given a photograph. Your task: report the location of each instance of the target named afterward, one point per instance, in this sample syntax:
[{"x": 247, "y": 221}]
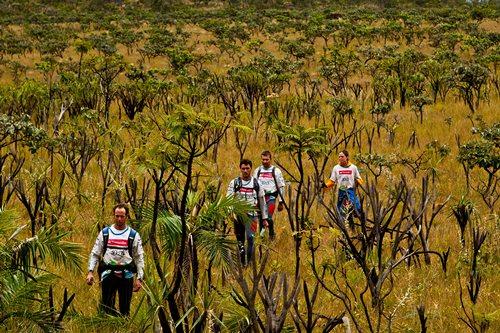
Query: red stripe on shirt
[
  {"x": 268, "y": 175},
  {"x": 345, "y": 172},
  {"x": 118, "y": 242}
]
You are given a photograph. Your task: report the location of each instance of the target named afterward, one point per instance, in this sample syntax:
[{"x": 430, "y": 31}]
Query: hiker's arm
[
  {"x": 357, "y": 176},
  {"x": 137, "y": 285},
  {"x": 262, "y": 203},
  {"x": 329, "y": 183},
  {"x": 138, "y": 252},
  {"x": 280, "y": 185},
  {"x": 230, "y": 188},
  {"x": 96, "y": 252},
  {"x": 94, "y": 257}
]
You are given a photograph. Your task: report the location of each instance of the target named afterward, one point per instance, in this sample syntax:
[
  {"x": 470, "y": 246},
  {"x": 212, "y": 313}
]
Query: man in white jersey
[
  {"x": 118, "y": 250},
  {"x": 248, "y": 189},
  {"x": 346, "y": 177},
  {"x": 273, "y": 184}
]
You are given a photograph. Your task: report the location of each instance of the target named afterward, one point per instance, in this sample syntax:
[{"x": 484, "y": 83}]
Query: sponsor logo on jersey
[
  {"x": 345, "y": 172},
  {"x": 118, "y": 242},
  {"x": 267, "y": 175}
]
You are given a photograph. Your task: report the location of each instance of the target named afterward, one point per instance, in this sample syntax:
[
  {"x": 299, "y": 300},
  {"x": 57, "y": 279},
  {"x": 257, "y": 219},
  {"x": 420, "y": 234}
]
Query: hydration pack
[
  {"x": 274, "y": 178},
  {"x": 238, "y": 184},
  {"x": 130, "y": 243}
]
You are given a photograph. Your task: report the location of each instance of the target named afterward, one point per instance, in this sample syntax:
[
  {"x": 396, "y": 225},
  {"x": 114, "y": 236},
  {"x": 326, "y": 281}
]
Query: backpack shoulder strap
[
  {"x": 277, "y": 185},
  {"x": 273, "y": 171},
  {"x": 105, "y": 238},
  {"x": 258, "y": 172},
  {"x": 274, "y": 178},
  {"x": 131, "y": 238},
  {"x": 237, "y": 184},
  {"x": 256, "y": 185}
]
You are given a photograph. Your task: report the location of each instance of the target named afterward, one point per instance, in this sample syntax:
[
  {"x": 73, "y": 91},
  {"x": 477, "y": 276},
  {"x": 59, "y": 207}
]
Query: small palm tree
[
  {"x": 207, "y": 235},
  {"x": 25, "y": 282}
]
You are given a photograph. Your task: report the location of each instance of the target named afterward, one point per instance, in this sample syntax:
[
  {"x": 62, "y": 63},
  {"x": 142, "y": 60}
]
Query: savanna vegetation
[{"x": 154, "y": 102}]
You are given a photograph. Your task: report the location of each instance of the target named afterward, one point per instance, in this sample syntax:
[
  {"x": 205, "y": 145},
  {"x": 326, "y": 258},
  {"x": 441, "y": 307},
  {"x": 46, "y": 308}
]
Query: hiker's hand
[
  {"x": 90, "y": 278},
  {"x": 137, "y": 285},
  {"x": 325, "y": 186},
  {"x": 264, "y": 223},
  {"x": 280, "y": 206}
]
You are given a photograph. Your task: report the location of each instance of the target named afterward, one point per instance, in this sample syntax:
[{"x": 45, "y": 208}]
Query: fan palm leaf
[
  {"x": 21, "y": 300},
  {"x": 221, "y": 209},
  {"x": 217, "y": 247},
  {"x": 47, "y": 245},
  {"x": 169, "y": 228},
  {"x": 207, "y": 218},
  {"x": 24, "y": 283}
]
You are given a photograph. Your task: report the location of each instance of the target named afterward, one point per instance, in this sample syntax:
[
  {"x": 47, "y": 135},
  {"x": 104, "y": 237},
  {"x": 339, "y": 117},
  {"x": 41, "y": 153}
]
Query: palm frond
[
  {"x": 299, "y": 138},
  {"x": 210, "y": 216},
  {"x": 221, "y": 209},
  {"x": 20, "y": 301},
  {"x": 237, "y": 318},
  {"x": 48, "y": 245},
  {"x": 18, "y": 292},
  {"x": 217, "y": 247},
  {"x": 170, "y": 231},
  {"x": 193, "y": 199},
  {"x": 169, "y": 228},
  {"x": 156, "y": 293}
]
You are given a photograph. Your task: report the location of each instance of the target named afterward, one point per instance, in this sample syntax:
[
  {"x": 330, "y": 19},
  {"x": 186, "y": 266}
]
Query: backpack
[
  {"x": 130, "y": 243},
  {"x": 274, "y": 175},
  {"x": 238, "y": 184},
  {"x": 275, "y": 180}
]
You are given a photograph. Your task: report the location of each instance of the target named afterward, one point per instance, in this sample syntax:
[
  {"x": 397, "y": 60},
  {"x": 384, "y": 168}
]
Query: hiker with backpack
[
  {"x": 118, "y": 250},
  {"x": 248, "y": 189},
  {"x": 345, "y": 176},
  {"x": 271, "y": 179}
]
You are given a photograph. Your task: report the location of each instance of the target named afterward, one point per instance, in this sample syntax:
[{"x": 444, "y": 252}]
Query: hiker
[
  {"x": 271, "y": 179},
  {"x": 248, "y": 188},
  {"x": 345, "y": 176},
  {"x": 118, "y": 250}
]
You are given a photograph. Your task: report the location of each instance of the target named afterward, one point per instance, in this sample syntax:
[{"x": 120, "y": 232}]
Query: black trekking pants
[
  {"x": 112, "y": 284},
  {"x": 246, "y": 231}
]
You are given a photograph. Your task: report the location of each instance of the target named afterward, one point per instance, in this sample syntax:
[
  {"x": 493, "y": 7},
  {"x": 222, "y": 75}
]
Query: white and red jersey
[
  {"x": 248, "y": 192},
  {"x": 345, "y": 177},
  {"x": 117, "y": 250},
  {"x": 270, "y": 184}
]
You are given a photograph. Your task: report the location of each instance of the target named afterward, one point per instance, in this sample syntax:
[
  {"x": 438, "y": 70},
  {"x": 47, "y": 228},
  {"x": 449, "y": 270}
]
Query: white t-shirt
[
  {"x": 266, "y": 179},
  {"x": 248, "y": 193},
  {"x": 117, "y": 250},
  {"x": 345, "y": 177}
]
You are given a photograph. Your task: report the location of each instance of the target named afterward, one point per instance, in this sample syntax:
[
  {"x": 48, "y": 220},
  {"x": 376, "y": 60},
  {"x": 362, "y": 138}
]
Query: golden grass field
[{"x": 413, "y": 286}]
